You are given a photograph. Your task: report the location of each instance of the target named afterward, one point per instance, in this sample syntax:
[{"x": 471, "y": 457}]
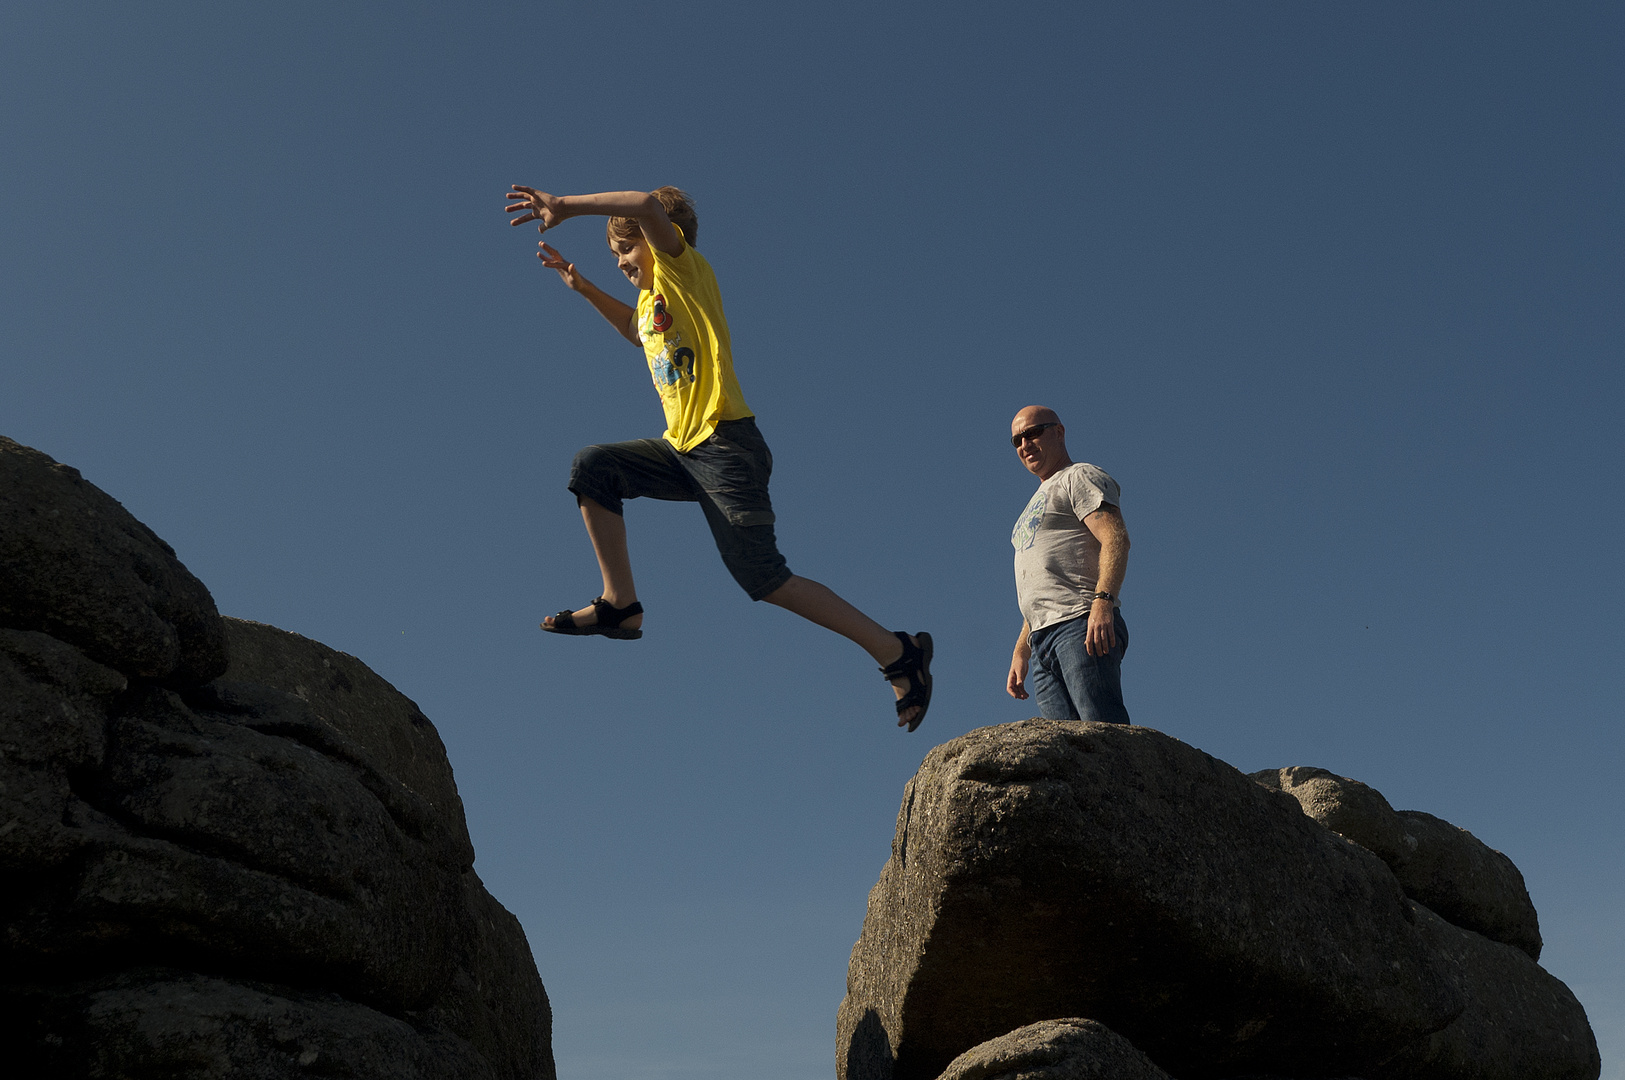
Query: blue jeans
[{"x": 1069, "y": 683}]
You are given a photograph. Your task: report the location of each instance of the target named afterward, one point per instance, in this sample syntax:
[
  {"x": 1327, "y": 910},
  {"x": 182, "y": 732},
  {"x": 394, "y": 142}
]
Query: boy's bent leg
[
  {"x": 602, "y": 477},
  {"x": 609, "y": 473},
  {"x": 607, "y": 531}
]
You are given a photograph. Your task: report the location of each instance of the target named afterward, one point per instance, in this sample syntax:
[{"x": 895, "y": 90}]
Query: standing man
[{"x": 1071, "y": 554}]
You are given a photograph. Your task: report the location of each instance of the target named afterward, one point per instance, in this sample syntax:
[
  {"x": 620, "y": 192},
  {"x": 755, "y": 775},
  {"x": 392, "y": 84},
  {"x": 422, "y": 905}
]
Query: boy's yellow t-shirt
[{"x": 685, "y": 338}]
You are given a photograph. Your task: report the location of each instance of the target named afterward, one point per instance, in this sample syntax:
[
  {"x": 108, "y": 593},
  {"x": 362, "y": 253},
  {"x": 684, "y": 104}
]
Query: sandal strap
[
  {"x": 912, "y": 660},
  {"x": 917, "y": 695},
  {"x": 610, "y": 617},
  {"x": 913, "y": 665}
]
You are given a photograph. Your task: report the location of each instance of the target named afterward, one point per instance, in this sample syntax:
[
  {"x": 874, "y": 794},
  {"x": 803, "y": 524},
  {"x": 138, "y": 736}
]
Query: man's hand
[
  {"x": 1101, "y": 636},
  {"x": 1106, "y": 524},
  {"x": 554, "y": 261},
  {"x": 1016, "y": 684},
  {"x": 532, "y": 205}
]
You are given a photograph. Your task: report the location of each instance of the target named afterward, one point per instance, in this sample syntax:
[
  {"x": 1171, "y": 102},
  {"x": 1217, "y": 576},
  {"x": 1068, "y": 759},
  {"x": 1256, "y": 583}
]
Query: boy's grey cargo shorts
[{"x": 726, "y": 474}]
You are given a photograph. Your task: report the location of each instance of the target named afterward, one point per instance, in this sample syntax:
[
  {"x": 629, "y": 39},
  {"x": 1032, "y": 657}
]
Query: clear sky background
[{"x": 1333, "y": 290}]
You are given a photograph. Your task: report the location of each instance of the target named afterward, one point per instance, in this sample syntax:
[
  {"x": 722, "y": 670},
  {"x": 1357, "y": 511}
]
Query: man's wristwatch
[{"x": 1104, "y": 596}]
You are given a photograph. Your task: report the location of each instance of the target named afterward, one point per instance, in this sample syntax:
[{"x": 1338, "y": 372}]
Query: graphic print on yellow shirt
[{"x": 685, "y": 340}]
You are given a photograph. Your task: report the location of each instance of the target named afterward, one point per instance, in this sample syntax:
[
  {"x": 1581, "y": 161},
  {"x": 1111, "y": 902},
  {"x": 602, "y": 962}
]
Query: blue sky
[{"x": 1334, "y": 291}]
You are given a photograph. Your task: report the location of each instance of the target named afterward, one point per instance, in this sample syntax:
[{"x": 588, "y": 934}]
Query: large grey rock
[
  {"x": 1520, "y": 1022},
  {"x": 1071, "y": 1049},
  {"x": 355, "y": 705},
  {"x": 238, "y": 827},
  {"x": 201, "y": 878},
  {"x": 1438, "y": 865},
  {"x": 76, "y": 565},
  {"x": 1049, "y": 869},
  {"x": 259, "y": 847}
]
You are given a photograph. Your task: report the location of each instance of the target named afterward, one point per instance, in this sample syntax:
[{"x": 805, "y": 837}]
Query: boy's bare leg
[
  {"x": 819, "y": 603},
  {"x": 607, "y": 531}
]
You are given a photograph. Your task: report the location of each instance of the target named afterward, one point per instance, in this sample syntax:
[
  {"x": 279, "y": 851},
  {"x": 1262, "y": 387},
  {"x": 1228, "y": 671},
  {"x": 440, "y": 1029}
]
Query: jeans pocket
[{"x": 733, "y": 469}]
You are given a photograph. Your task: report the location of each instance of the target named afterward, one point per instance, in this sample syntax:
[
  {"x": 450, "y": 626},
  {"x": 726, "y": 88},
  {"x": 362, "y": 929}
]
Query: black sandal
[
  {"x": 915, "y": 666},
  {"x": 609, "y": 621}
]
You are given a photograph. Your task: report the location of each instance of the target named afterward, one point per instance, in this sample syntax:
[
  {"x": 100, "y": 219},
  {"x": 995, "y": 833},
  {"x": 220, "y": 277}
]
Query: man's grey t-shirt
[{"x": 1057, "y": 557}]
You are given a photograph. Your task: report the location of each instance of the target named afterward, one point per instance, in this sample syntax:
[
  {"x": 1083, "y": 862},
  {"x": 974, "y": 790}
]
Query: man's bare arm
[
  {"x": 1015, "y": 684},
  {"x": 620, "y": 315},
  {"x": 1107, "y": 526},
  {"x": 548, "y": 210}
]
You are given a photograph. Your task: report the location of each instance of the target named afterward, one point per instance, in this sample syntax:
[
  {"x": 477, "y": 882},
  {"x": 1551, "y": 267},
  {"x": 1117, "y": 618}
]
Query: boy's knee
[
  {"x": 593, "y": 469},
  {"x": 589, "y": 460},
  {"x": 593, "y": 477}
]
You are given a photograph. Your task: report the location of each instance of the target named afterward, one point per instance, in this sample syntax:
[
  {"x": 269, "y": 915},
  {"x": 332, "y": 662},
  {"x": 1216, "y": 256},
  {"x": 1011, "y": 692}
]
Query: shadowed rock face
[
  {"x": 1519, "y": 1023},
  {"x": 1048, "y": 869},
  {"x": 1438, "y": 865},
  {"x": 259, "y": 869},
  {"x": 176, "y": 1024}
]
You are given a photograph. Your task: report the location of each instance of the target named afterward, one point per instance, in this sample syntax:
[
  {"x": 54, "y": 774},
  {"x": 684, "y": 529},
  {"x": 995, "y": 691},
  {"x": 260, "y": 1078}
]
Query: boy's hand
[
  {"x": 554, "y": 261},
  {"x": 537, "y": 206},
  {"x": 623, "y": 317}
]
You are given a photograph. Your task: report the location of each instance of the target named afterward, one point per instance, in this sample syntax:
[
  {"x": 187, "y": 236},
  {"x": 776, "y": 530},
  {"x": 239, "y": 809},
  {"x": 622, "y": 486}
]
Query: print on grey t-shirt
[{"x": 1057, "y": 557}]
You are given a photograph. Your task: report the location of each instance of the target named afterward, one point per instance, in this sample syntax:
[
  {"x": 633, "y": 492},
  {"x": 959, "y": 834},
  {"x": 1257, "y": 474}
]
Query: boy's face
[{"x": 635, "y": 260}]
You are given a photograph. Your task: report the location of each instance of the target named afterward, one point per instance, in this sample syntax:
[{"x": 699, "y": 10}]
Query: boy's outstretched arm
[
  {"x": 621, "y": 316},
  {"x": 548, "y": 210}
]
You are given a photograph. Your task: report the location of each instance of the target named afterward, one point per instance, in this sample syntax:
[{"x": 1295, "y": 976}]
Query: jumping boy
[{"x": 711, "y": 453}]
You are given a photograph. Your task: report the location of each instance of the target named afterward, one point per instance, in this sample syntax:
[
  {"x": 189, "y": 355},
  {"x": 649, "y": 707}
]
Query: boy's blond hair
[{"x": 679, "y": 208}]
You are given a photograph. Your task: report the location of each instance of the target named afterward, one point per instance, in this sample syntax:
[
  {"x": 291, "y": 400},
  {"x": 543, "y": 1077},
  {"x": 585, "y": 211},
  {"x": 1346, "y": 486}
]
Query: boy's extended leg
[
  {"x": 607, "y": 530},
  {"x": 820, "y": 604}
]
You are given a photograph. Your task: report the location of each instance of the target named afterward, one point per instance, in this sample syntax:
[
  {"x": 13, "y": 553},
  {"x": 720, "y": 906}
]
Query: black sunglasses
[{"x": 1030, "y": 433}]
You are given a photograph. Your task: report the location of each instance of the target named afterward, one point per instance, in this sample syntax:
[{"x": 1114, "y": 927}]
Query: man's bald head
[
  {"x": 1033, "y": 414},
  {"x": 1040, "y": 440}
]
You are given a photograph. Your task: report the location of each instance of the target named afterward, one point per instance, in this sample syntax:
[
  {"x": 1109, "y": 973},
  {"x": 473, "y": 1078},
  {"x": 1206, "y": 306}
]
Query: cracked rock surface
[
  {"x": 1446, "y": 868},
  {"x": 225, "y": 849}
]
